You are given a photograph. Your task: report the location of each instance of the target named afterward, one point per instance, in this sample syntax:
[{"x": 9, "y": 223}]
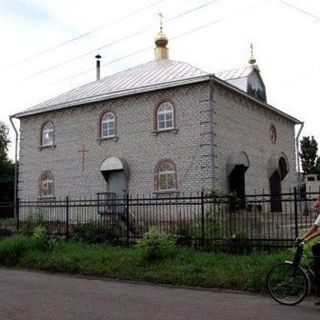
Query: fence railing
[{"x": 204, "y": 220}]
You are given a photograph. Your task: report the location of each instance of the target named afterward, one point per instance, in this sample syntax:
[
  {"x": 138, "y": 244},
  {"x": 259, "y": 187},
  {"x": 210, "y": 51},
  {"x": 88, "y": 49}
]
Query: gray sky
[{"x": 211, "y": 35}]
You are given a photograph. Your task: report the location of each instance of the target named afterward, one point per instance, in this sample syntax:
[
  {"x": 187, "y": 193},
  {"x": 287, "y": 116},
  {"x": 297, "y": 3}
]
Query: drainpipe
[
  {"x": 298, "y": 153},
  {"x": 211, "y": 110},
  {"x": 15, "y": 169}
]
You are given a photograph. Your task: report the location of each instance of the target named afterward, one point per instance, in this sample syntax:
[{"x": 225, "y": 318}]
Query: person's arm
[
  {"x": 313, "y": 235},
  {"x": 311, "y": 231}
]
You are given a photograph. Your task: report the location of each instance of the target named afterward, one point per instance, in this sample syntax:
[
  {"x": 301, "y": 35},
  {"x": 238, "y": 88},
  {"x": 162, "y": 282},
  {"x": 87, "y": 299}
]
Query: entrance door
[
  {"x": 275, "y": 190},
  {"x": 117, "y": 183},
  {"x": 237, "y": 183}
]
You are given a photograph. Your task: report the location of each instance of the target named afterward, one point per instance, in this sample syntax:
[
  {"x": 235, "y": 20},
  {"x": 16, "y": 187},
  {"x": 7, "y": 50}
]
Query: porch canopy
[
  {"x": 237, "y": 159},
  {"x": 279, "y": 163},
  {"x": 112, "y": 164}
]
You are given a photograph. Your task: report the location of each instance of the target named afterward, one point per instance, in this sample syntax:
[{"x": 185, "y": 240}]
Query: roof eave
[
  {"x": 266, "y": 105},
  {"x": 114, "y": 95},
  {"x": 125, "y": 93}
]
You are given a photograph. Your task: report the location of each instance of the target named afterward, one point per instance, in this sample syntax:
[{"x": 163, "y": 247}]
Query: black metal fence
[{"x": 203, "y": 220}]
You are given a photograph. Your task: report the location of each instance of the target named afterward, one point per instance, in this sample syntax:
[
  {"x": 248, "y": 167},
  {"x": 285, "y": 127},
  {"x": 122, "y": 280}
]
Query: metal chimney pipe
[{"x": 98, "y": 57}]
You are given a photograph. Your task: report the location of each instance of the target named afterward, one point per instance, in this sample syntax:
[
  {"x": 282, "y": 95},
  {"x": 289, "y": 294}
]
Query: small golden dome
[
  {"x": 252, "y": 59},
  {"x": 161, "y": 40},
  {"x": 161, "y": 51}
]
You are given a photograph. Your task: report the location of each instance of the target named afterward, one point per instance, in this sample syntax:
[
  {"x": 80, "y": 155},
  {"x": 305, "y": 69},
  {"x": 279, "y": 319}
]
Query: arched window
[
  {"x": 166, "y": 176},
  {"x": 46, "y": 184},
  {"x": 47, "y": 134},
  {"x": 165, "y": 116},
  {"x": 108, "y": 125}
]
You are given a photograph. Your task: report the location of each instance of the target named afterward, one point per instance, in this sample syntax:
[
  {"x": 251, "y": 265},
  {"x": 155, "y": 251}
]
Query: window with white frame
[
  {"x": 46, "y": 184},
  {"x": 108, "y": 125},
  {"x": 166, "y": 176},
  {"x": 165, "y": 116},
  {"x": 47, "y": 134}
]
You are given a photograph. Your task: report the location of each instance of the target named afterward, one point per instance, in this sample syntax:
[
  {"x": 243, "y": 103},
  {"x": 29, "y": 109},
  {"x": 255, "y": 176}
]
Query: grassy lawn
[{"x": 178, "y": 266}]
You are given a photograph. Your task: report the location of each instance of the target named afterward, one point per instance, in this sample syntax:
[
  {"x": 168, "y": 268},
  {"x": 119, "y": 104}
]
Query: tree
[
  {"x": 308, "y": 155},
  {"x": 6, "y": 165}
]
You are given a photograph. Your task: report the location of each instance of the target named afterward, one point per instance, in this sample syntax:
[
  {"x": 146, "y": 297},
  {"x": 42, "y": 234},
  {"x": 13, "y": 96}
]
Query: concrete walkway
[{"x": 32, "y": 295}]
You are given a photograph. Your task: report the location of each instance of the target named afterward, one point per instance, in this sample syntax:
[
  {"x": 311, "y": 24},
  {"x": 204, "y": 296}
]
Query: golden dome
[
  {"x": 252, "y": 59},
  {"x": 161, "y": 40}
]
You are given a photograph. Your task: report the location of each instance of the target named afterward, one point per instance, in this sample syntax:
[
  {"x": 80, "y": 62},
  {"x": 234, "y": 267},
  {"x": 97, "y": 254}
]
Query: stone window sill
[
  {"x": 174, "y": 130},
  {"x": 101, "y": 140},
  {"x": 47, "y": 198},
  {"x": 166, "y": 192},
  {"x": 52, "y": 147}
]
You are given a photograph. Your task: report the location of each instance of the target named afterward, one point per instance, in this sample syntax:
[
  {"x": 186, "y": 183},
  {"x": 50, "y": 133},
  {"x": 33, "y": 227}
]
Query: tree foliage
[
  {"x": 309, "y": 155},
  {"x": 6, "y": 165}
]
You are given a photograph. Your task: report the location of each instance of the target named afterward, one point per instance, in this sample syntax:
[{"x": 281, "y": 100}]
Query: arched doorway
[
  {"x": 237, "y": 165},
  {"x": 278, "y": 169},
  {"x": 116, "y": 172}
]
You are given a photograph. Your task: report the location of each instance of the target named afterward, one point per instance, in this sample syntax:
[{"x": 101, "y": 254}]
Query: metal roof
[
  {"x": 145, "y": 77},
  {"x": 235, "y": 73},
  {"x": 150, "y": 76}
]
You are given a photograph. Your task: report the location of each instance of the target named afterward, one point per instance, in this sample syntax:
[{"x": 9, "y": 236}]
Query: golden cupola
[
  {"x": 252, "y": 59},
  {"x": 161, "y": 51}
]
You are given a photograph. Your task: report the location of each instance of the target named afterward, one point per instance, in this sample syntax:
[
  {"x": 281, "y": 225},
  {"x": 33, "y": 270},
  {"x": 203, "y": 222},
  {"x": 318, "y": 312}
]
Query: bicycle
[{"x": 288, "y": 283}]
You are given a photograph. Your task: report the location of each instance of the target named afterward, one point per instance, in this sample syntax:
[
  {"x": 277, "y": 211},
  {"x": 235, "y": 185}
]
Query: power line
[
  {"x": 300, "y": 10},
  {"x": 82, "y": 35},
  {"x": 107, "y": 63},
  {"x": 118, "y": 41},
  {"x": 170, "y": 39}
]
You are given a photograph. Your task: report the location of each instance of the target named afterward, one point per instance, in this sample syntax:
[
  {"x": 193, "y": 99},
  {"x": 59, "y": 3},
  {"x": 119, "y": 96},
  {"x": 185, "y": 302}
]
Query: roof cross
[
  {"x": 161, "y": 21},
  {"x": 252, "y": 59}
]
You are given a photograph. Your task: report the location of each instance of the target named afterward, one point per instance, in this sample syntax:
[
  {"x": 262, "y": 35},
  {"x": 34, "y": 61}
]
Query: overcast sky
[{"x": 36, "y": 47}]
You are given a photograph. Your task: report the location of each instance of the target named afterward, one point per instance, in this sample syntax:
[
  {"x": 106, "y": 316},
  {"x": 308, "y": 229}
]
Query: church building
[{"x": 162, "y": 127}]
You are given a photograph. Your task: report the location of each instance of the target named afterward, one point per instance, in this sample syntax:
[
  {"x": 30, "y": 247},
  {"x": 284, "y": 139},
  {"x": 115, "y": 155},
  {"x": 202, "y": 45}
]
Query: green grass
[{"x": 186, "y": 267}]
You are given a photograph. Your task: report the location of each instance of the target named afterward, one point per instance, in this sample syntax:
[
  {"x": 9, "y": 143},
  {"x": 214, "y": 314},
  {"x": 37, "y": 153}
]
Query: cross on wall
[{"x": 83, "y": 151}]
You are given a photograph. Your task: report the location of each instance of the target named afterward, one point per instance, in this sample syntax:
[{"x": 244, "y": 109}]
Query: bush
[
  {"x": 4, "y": 232},
  {"x": 156, "y": 245},
  {"x": 38, "y": 239},
  {"x": 184, "y": 236},
  {"x": 13, "y": 248},
  {"x": 91, "y": 233}
]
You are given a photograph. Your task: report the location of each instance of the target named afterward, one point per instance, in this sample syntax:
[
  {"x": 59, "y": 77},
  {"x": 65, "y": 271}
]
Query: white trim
[{"x": 105, "y": 120}]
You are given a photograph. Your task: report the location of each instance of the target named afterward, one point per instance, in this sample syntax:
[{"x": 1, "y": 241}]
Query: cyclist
[{"x": 312, "y": 233}]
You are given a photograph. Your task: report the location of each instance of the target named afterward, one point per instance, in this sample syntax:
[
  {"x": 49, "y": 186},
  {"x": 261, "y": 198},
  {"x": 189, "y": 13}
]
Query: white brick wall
[
  {"x": 137, "y": 143},
  {"x": 238, "y": 126},
  {"x": 241, "y": 125}
]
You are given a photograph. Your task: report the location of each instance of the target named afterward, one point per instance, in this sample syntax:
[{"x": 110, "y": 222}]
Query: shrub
[
  {"x": 35, "y": 217},
  {"x": 13, "y": 248},
  {"x": 38, "y": 238},
  {"x": 4, "y": 232},
  {"x": 184, "y": 236},
  {"x": 156, "y": 245},
  {"x": 239, "y": 244},
  {"x": 92, "y": 233}
]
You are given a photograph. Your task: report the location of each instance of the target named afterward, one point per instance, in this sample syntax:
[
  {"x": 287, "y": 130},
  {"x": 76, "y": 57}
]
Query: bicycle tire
[{"x": 287, "y": 284}]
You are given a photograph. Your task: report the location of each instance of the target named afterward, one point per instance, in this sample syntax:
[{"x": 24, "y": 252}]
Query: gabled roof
[
  {"x": 149, "y": 76},
  {"x": 234, "y": 73}
]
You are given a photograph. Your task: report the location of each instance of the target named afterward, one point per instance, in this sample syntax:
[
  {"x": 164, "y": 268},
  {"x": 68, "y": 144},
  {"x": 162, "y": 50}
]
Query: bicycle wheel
[{"x": 288, "y": 284}]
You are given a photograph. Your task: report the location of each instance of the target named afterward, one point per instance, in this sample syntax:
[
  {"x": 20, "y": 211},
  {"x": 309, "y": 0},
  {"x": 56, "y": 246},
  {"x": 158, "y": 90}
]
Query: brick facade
[{"x": 239, "y": 125}]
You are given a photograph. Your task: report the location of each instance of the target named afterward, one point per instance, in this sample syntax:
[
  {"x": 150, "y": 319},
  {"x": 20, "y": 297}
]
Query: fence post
[
  {"x": 127, "y": 219},
  {"x": 202, "y": 219},
  {"x": 296, "y": 213},
  {"x": 67, "y": 218},
  {"x": 17, "y": 213}
]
